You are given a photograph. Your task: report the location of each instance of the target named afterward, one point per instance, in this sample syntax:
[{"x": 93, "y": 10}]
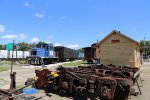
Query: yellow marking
[
  {"x": 54, "y": 74},
  {"x": 36, "y": 78}
]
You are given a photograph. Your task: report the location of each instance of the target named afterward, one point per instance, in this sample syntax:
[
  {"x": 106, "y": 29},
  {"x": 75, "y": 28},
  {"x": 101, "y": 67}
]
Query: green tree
[
  {"x": 80, "y": 50},
  {"x": 23, "y": 46},
  {"x": 32, "y": 45},
  {"x": 2, "y": 47},
  {"x": 41, "y": 42},
  {"x": 145, "y": 45}
]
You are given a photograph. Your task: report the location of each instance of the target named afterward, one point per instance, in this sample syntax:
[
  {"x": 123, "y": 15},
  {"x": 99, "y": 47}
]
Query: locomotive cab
[{"x": 44, "y": 50}]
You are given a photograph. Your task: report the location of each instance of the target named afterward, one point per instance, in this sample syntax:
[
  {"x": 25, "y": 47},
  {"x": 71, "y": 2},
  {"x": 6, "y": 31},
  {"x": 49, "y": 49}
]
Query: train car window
[
  {"x": 38, "y": 45},
  {"x": 33, "y": 52},
  {"x": 50, "y": 47},
  {"x": 43, "y": 46}
]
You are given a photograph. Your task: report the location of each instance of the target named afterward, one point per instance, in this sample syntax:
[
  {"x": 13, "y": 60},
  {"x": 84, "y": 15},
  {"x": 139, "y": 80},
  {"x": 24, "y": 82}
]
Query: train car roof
[
  {"x": 63, "y": 47},
  {"x": 86, "y": 47}
]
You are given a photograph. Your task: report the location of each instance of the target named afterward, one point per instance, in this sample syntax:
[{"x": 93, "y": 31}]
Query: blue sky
[{"x": 72, "y": 23}]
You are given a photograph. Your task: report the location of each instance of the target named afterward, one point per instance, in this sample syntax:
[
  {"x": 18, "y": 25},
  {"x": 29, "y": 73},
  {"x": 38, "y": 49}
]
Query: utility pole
[
  {"x": 12, "y": 74},
  {"x": 145, "y": 52},
  {"x": 12, "y": 56}
]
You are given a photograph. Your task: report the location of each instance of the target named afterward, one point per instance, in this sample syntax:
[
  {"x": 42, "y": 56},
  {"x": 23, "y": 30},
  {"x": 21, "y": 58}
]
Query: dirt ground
[
  {"x": 27, "y": 71},
  {"x": 145, "y": 75}
]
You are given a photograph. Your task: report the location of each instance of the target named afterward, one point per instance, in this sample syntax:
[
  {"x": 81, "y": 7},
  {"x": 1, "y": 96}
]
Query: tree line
[{"x": 22, "y": 46}]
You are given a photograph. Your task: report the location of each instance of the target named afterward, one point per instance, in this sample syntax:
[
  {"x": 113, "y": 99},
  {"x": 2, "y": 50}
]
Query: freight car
[
  {"x": 17, "y": 55},
  {"x": 47, "y": 53},
  {"x": 92, "y": 54},
  {"x": 64, "y": 53}
]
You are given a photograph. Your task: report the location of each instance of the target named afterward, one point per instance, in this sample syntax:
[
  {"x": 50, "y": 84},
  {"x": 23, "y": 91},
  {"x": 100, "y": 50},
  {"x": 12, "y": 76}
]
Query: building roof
[{"x": 118, "y": 32}]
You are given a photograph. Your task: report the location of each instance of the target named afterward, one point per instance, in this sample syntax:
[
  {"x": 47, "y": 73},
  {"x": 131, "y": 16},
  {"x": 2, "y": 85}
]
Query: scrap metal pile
[
  {"x": 10, "y": 94},
  {"x": 106, "y": 82}
]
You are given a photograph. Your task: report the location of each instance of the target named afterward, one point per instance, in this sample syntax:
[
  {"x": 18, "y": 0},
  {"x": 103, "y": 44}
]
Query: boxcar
[
  {"x": 64, "y": 53},
  {"x": 17, "y": 55}
]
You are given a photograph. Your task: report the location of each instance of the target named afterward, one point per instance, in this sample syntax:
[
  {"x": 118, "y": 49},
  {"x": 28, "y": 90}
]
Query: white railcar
[
  {"x": 3, "y": 54},
  {"x": 16, "y": 54}
]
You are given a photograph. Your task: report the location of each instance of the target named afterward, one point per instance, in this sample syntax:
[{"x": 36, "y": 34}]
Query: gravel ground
[
  {"x": 22, "y": 73},
  {"x": 145, "y": 75},
  {"x": 27, "y": 71}
]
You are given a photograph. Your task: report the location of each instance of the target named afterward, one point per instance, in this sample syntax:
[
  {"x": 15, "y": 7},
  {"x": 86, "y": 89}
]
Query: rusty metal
[
  {"x": 106, "y": 87},
  {"x": 106, "y": 82},
  {"x": 8, "y": 94},
  {"x": 13, "y": 80}
]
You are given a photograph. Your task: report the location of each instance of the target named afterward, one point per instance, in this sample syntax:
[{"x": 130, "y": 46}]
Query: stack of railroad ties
[{"x": 96, "y": 81}]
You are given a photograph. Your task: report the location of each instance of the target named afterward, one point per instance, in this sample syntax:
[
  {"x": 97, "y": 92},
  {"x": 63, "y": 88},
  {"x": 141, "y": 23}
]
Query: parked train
[
  {"x": 47, "y": 53},
  {"x": 7, "y": 54},
  {"x": 92, "y": 54}
]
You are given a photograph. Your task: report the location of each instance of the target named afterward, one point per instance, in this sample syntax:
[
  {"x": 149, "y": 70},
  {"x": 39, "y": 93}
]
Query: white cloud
[
  {"x": 35, "y": 40},
  {"x": 39, "y": 15},
  {"x": 22, "y": 36},
  {"x": 73, "y": 46},
  {"x": 14, "y": 36},
  {"x": 2, "y": 28},
  {"x": 57, "y": 44},
  {"x": 9, "y": 36},
  {"x": 26, "y": 4},
  {"x": 47, "y": 41}
]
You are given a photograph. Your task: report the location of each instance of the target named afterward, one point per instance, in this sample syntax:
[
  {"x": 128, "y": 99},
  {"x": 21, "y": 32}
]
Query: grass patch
[
  {"x": 21, "y": 86},
  {"x": 74, "y": 63},
  {"x": 3, "y": 68},
  {"x": 5, "y": 62},
  {"x": 4, "y": 65},
  {"x": 3, "y": 80}
]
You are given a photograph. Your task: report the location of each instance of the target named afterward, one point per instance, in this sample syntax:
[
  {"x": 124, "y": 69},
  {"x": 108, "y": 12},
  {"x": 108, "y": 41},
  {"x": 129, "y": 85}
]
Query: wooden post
[{"x": 12, "y": 74}]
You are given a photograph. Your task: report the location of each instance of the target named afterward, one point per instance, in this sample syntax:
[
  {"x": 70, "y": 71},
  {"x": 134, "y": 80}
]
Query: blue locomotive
[{"x": 45, "y": 53}]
